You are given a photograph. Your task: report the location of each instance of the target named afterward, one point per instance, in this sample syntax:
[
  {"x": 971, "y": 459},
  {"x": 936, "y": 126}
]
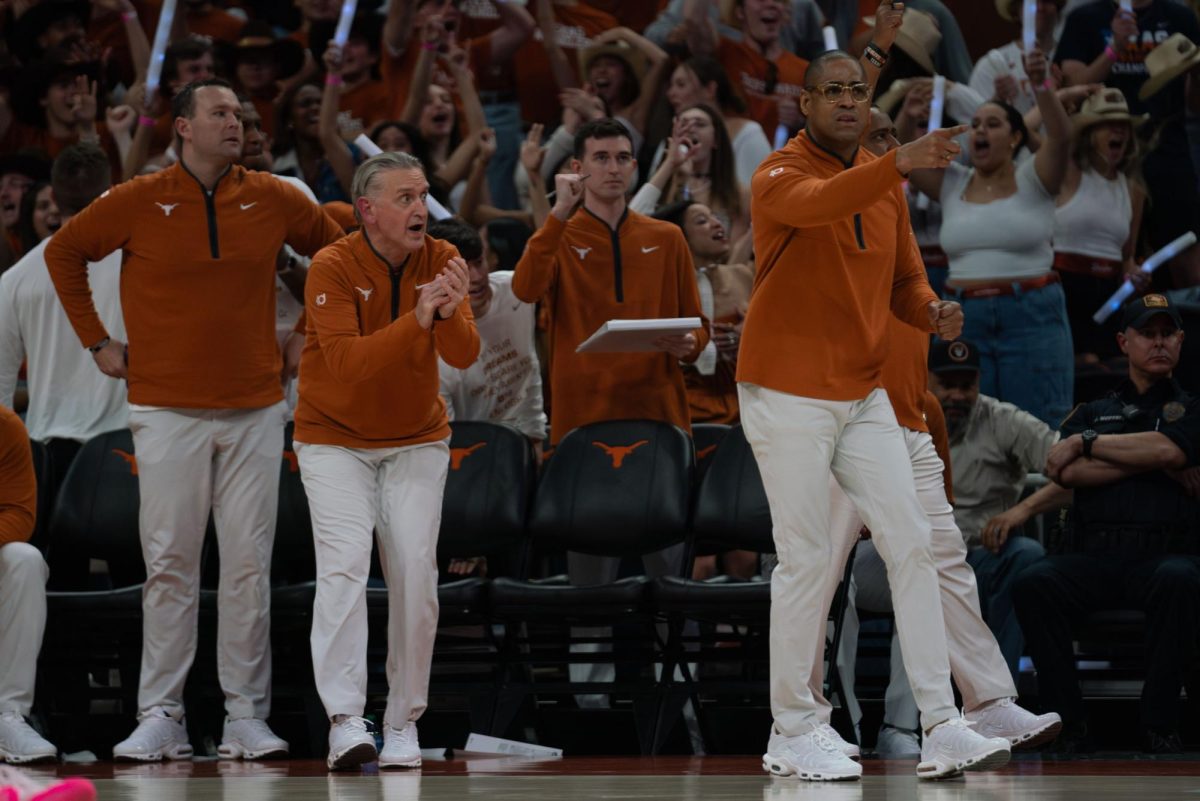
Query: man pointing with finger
[
  {"x": 372, "y": 439},
  {"x": 836, "y": 257}
]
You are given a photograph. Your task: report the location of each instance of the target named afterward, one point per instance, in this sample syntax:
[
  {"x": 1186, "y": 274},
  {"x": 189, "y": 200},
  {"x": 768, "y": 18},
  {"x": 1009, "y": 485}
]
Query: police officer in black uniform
[{"x": 1130, "y": 459}]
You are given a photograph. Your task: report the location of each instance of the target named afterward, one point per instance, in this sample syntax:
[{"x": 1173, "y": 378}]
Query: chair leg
[{"x": 837, "y": 610}]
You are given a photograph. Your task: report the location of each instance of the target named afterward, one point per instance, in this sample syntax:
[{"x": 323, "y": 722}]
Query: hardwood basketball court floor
[{"x": 586, "y": 778}]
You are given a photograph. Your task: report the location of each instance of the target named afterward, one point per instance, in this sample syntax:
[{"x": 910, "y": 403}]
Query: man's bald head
[{"x": 816, "y": 69}]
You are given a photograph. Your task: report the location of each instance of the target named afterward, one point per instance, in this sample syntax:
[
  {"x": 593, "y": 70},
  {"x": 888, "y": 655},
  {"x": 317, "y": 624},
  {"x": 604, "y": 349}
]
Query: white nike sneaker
[
  {"x": 811, "y": 756},
  {"x": 848, "y": 748},
  {"x": 20, "y": 744},
  {"x": 897, "y": 743},
  {"x": 1023, "y": 729},
  {"x": 158, "y": 736},
  {"x": 953, "y": 747},
  {"x": 401, "y": 749},
  {"x": 250, "y": 738},
  {"x": 350, "y": 743}
]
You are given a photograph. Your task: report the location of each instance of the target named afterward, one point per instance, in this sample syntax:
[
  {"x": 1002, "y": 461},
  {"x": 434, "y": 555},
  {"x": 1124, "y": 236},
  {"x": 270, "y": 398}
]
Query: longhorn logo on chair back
[
  {"x": 458, "y": 454},
  {"x": 128, "y": 457},
  {"x": 619, "y": 452},
  {"x": 293, "y": 463},
  {"x": 704, "y": 452}
]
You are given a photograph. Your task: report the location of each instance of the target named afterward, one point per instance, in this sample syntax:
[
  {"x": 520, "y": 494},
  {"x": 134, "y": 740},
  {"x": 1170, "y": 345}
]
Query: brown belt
[
  {"x": 1003, "y": 287},
  {"x": 1086, "y": 265},
  {"x": 934, "y": 256}
]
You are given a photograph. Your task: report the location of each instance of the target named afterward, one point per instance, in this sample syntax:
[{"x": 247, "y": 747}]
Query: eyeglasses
[{"x": 832, "y": 91}]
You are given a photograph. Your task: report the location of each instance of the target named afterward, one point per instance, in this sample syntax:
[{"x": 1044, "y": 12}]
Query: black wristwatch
[{"x": 1089, "y": 437}]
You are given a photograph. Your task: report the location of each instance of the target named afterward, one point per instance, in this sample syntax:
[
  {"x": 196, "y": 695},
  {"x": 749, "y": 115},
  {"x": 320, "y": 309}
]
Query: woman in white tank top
[
  {"x": 1097, "y": 219},
  {"x": 997, "y": 226}
]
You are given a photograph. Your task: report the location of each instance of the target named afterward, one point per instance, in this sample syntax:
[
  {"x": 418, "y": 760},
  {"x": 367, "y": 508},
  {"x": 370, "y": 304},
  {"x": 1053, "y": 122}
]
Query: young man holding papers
[{"x": 606, "y": 262}]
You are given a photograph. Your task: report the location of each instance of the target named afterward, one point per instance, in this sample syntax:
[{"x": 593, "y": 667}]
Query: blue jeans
[
  {"x": 1024, "y": 343},
  {"x": 505, "y": 120},
  {"x": 995, "y": 574}
]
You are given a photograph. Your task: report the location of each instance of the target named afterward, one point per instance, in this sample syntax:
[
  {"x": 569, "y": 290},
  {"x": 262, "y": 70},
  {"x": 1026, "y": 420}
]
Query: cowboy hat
[
  {"x": 918, "y": 37},
  {"x": 258, "y": 36},
  {"x": 1175, "y": 56},
  {"x": 1004, "y": 9},
  {"x": 632, "y": 57},
  {"x": 1107, "y": 105},
  {"x": 891, "y": 100}
]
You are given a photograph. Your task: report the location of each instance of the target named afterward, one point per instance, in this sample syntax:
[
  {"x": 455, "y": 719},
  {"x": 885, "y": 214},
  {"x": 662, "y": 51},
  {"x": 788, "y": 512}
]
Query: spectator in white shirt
[
  {"x": 70, "y": 401},
  {"x": 504, "y": 385},
  {"x": 1001, "y": 72}
]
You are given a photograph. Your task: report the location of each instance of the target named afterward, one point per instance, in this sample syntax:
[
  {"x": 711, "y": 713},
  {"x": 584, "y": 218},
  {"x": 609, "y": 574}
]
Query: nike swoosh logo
[
  {"x": 248, "y": 205},
  {"x": 650, "y": 250}
]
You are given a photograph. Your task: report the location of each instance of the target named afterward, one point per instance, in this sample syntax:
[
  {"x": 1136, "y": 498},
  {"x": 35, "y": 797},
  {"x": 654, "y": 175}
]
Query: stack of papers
[{"x": 635, "y": 336}]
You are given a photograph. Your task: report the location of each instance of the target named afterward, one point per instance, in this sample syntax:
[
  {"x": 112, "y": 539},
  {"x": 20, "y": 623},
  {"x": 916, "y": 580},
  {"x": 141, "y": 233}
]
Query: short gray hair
[{"x": 364, "y": 176}]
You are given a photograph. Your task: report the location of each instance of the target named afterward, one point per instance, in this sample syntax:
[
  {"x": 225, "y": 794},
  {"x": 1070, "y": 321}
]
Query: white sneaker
[
  {"x": 250, "y": 738},
  {"x": 1020, "y": 727},
  {"x": 848, "y": 748},
  {"x": 953, "y": 747},
  {"x": 811, "y": 756},
  {"x": 401, "y": 749},
  {"x": 158, "y": 736},
  {"x": 350, "y": 744},
  {"x": 20, "y": 744},
  {"x": 897, "y": 743}
]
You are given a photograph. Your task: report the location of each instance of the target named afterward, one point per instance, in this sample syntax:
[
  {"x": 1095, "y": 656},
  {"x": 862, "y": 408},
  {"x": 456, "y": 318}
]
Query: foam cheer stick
[
  {"x": 831, "y": 42},
  {"x": 1148, "y": 266},
  {"x": 781, "y": 136},
  {"x": 937, "y": 105},
  {"x": 342, "y": 33},
  {"x": 364, "y": 143},
  {"x": 161, "y": 34},
  {"x": 1029, "y": 24}
]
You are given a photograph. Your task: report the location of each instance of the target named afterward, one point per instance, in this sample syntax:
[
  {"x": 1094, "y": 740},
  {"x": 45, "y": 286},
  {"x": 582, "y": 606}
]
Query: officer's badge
[{"x": 1173, "y": 411}]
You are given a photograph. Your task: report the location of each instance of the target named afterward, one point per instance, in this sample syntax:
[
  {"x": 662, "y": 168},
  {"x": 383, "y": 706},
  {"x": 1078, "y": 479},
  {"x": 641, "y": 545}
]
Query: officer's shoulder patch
[{"x": 1173, "y": 411}]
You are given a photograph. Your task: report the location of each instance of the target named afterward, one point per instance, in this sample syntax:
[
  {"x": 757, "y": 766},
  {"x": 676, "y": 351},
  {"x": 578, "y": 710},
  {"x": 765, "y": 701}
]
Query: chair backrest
[
  {"x": 488, "y": 489},
  {"x": 96, "y": 515},
  {"x": 44, "y": 473},
  {"x": 293, "y": 560},
  {"x": 706, "y": 437},
  {"x": 731, "y": 507},
  {"x": 616, "y": 488}
]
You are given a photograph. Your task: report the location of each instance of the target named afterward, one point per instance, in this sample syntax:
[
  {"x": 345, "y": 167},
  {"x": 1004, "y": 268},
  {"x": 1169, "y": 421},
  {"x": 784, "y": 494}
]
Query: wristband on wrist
[
  {"x": 1111, "y": 54},
  {"x": 99, "y": 346},
  {"x": 149, "y": 122},
  {"x": 876, "y": 55},
  {"x": 333, "y": 80},
  {"x": 128, "y": 16},
  {"x": 1048, "y": 85},
  {"x": 430, "y": 46}
]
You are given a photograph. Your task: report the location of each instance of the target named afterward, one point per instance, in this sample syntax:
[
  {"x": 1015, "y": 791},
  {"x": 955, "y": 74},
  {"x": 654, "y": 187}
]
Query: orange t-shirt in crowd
[
  {"x": 713, "y": 398},
  {"x": 20, "y": 136},
  {"x": 537, "y": 90},
  {"x": 215, "y": 23},
  {"x": 369, "y": 372},
  {"x": 751, "y": 75},
  {"x": 342, "y": 213},
  {"x": 588, "y": 274},
  {"x": 398, "y": 71},
  {"x": 836, "y": 256},
  {"x": 634, "y": 14},
  {"x": 366, "y": 104},
  {"x": 18, "y": 483},
  {"x": 197, "y": 281}
]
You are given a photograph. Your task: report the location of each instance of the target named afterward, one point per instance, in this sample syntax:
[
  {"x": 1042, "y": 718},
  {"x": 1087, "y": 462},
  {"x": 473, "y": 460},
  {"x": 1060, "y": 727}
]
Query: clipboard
[{"x": 635, "y": 336}]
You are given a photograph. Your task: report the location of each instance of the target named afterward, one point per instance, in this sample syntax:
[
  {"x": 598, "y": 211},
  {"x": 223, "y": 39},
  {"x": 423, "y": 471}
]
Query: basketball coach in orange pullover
[
  {"x": 199, "y": 241},
  {"x": 836, "y": 256},
  {"x": 372, "y": 438}
]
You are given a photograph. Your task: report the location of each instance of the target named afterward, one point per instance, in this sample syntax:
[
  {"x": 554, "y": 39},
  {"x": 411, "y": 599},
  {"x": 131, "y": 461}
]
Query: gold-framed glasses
[{"x": 832, "y": 91}]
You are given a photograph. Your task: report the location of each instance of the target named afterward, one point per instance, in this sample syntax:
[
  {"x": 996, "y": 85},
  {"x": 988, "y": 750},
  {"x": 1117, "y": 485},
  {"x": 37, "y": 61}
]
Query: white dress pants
[
  {"x": 190, "y": 461},
  {"x": 23, "y": 575},
  {"x": 977, "y": 665},
  {"x": 797, "y": 443},
  {"x": 397, "y": 493}
]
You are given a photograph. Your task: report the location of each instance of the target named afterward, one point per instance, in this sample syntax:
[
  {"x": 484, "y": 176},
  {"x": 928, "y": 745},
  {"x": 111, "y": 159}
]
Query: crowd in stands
[{"x": 1081, "y": 158}]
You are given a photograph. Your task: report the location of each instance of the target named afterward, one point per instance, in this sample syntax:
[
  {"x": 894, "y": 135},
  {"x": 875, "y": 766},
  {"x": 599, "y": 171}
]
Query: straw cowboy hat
[
  {"x": 892, "y": 99},
  {"x": 258, "y": 36},
  {"x": 1107, "y": 105},
  {"x": 1005, "y": 9},
  {"x": 633, "y": 58},
  {"x": 918, "y": 37},
  {"x": 1167, "y": 62}
]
